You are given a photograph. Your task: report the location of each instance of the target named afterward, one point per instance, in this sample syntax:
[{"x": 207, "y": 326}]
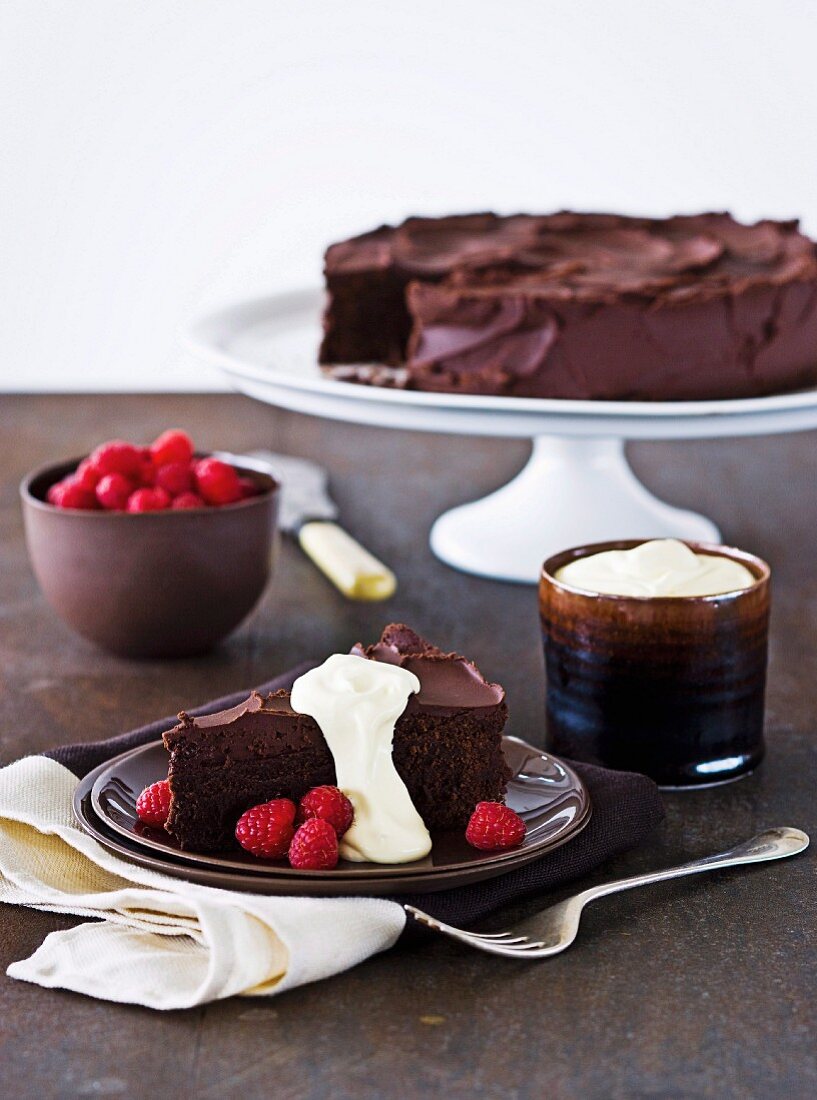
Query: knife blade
[{"x": 308, "y": 513}]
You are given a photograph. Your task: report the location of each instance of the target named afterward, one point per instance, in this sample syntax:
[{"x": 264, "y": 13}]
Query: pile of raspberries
[
  {"x": 307, "y": 834},
  {"x": 124, "y": 477}
]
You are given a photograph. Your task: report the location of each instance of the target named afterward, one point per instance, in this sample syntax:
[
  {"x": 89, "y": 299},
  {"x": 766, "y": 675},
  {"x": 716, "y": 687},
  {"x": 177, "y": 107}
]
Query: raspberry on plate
[
  {"x": 153, "y": 804},
  {"x": 174, "y": 478},
  {"x": 148, "y": 500},
  {"x": 494, "y": 826},
  {"x": 117, "y": 457},
  {"x": 266, "y": 830},
  {"x": 217, "y": 481},
  {"x": 187, "y": 500},
  {"x": 314, "y": 846},
  {"x": 329, "y": 804},
  {"x": 173, "y": 445},
  {"x": 70, "y": 494},
  {"x": 113, "y": 491}
]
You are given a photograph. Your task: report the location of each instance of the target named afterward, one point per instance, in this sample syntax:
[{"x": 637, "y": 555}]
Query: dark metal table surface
[{"x": 694, "y": 989}]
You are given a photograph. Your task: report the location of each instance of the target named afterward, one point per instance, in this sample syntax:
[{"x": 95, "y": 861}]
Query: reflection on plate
[{"x": 546, "y": 792}]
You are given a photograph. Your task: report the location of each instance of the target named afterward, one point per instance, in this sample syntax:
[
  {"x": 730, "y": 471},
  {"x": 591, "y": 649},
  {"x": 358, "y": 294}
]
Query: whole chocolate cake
[
  {"x": 571, "y": 305},
  {"x": 447, "y": 748}
]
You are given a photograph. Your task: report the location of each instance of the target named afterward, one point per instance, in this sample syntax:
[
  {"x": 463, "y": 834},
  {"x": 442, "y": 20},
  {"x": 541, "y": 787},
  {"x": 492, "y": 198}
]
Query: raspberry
[
  {"x": 267, "y": 830},
  {"x": 148, "y": 500},
  {"x": 69, "y": 494},
  {"x": 147, "y": 471},
  {"x": 494, "y": 826},
  {"x": 248, "y": 487},
  {"x": 86, "y": 475},
  {"x": 314, "y": 846},
  {"x": 117, "y": 457},
  {"x": 113, "y": 491},
  {"x": 172, "y": 446},
  {"x": 187, "y": 500},
  {"x": 329, "y": 804},
  {"x": 153, "y": 804},
  {"x": 175, "y": 478},
  {"x": 216, "y": 481}
]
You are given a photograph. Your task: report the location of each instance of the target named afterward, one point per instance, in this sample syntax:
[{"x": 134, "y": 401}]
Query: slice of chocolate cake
[{"x": 447, "y": 748}]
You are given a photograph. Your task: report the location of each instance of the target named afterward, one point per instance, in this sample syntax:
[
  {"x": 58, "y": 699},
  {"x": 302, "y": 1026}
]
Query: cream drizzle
[{"x": 356, "y": 702}]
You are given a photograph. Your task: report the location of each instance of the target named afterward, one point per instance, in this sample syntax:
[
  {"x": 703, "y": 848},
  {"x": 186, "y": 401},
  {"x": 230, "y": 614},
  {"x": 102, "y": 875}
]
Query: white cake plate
[{"x": 577, "y": 486}]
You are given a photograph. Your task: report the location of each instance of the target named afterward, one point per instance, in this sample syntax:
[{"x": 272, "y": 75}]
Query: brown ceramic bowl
[
  {"x": 152, "y": 584},
  {"x": 669, "y": 686}
]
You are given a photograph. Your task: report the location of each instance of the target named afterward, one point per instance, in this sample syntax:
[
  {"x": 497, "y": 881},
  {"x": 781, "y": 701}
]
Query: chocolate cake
[
  {"x": 447, "y": 748},
  {"x": 575, "y": 306}
]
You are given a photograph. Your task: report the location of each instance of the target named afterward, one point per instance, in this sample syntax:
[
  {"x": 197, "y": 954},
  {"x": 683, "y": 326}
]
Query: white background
[{"x": 158, "y": 157}]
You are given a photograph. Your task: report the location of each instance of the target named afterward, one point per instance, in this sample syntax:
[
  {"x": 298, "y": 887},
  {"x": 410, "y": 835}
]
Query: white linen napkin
[{"x": 160, "y": 941}]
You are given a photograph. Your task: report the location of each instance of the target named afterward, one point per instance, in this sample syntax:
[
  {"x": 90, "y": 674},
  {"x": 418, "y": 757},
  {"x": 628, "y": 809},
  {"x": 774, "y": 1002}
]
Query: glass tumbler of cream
[{"x": 655, "y": 654}]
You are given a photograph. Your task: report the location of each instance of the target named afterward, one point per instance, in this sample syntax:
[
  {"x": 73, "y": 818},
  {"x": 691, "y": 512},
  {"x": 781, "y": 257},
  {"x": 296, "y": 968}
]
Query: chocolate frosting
[
  {"x": 446, "y": 679},
  {"x": 276, "y": 702},
  {"x": 599, "y": 256},
  {"x": 448, "y": 682}
]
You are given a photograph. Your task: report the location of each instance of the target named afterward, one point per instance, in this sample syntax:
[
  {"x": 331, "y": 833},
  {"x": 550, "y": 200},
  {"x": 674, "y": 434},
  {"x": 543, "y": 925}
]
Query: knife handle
[{"x": 349, "y": 566}]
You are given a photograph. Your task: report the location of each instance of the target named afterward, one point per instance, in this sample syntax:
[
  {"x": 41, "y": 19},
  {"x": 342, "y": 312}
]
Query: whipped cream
[
  {"x": 356, "y": 702},
  {"x": 663, "y": 567}
]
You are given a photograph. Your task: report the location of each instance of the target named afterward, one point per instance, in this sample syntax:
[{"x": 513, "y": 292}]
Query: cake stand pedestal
[
  {"x": 573, "y": 491},
  {"x": 577, "y": 487}
]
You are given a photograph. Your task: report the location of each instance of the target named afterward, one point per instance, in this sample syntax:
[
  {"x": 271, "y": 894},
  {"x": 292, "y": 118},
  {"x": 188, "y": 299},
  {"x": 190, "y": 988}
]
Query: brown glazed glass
[
  {"x": 669, "y": 686},
  {"x": 152, "y": 584}
]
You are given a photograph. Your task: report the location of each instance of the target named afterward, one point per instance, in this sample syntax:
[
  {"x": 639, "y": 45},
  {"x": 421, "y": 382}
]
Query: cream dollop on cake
[
  {"x": 662, "y": 567},
  {"x": 356, "y": 703}
]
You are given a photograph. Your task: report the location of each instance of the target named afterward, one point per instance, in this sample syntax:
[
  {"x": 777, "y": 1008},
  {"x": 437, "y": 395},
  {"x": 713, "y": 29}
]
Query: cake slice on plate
[{"x": 446, "y": 748}]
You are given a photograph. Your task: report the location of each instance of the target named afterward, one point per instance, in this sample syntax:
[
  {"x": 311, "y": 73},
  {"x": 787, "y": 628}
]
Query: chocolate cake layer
[
  {"x": 569, "y": 305},
  {"x": 447, "y": 748}
]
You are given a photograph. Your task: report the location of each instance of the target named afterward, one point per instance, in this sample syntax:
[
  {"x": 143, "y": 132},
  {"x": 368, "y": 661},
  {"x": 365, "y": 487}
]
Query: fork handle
[{"x": 770, "y": 844}]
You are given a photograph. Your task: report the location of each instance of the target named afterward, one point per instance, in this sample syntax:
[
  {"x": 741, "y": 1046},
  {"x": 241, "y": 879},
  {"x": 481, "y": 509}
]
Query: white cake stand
[{"x": 577, "y": 486}]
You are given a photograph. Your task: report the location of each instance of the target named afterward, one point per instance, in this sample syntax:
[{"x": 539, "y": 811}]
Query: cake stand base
[{"x": 573, "y": 491}]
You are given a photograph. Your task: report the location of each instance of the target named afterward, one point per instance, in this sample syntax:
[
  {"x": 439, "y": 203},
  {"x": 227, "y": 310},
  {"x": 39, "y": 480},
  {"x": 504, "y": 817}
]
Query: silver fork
[{"x": 556, "y": 927}]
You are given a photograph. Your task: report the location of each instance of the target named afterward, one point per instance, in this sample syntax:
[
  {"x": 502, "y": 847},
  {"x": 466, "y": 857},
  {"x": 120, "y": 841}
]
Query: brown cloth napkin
[{"x": 626, "y": 807}]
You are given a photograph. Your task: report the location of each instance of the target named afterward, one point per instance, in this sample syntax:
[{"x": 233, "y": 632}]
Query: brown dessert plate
[{"x": 546, "y": 792}]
